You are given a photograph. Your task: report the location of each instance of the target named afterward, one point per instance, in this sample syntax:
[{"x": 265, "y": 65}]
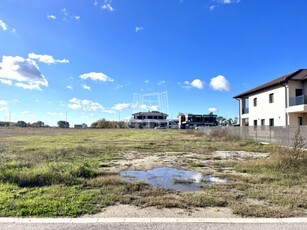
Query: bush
[
  {"x": 45, "y": 173},
  {"x": 298, "y": 145},
  {"x": 222, "y": 134}
]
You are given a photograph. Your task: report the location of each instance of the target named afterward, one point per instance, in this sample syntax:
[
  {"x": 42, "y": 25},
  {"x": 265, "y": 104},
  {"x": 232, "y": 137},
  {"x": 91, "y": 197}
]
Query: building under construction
[{"x": 188, "y": 121}]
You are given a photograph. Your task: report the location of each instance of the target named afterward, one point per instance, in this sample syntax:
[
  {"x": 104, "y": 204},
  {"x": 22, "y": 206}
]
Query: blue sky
[{"x": 86, "y": 59}]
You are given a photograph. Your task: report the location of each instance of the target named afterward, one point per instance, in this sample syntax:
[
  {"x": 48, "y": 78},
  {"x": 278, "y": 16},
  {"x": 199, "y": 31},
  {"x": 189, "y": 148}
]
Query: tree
[
  {"x": 38, "y": 124},
  {"x": 229, "y": 121},
  {"x": 21, "y": 124},
  {"x": 221, "y": 121},
  {"x": 105, "y": 124},
  {"x": 63, "y": 124},
  {"x": 94, "y": 124}
]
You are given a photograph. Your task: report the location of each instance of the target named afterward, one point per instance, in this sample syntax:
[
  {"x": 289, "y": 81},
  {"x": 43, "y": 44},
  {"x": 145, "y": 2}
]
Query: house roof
[
  {"x": 300, "y": 74},
  {"x": 153, "y": 113}
]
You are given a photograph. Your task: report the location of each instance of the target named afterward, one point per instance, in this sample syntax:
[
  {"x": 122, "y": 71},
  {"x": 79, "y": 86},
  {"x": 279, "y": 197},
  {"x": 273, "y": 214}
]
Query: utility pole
[{"x": 66, "y": 116}]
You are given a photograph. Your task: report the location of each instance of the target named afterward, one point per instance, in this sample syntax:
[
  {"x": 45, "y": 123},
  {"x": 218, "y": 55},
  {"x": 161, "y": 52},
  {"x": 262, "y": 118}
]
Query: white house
[
  {"x": 149, "y": 120},
  {"x": 280, "y": 102}
]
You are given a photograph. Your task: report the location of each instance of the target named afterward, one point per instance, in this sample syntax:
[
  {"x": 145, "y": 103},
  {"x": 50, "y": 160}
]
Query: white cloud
[
  {"x": 69, "y": 87},
  {"x": 218, "y": 3},
  {"x": 86, "y": 105},
  {"x": 24, "y": 72},
  {"x": 86, "y": 87},
  {"x": 161, "y": 82},
  {"x": 138, "y": 28},
  {"x": 4, "y": 109},
  {"x": 220, "y": 83},
  {"x": 107, "y": 6},
  {"x": 122, "y": 106},
  {"x": 212, "y": 7},
  {"x": 146, "y": 81},
  {"x": 230, "y": 1},
  {"x": 213, "y": 110},
  {"x": 3, "y": 25},
  {"x": 149, "y": 108},
  {"x": 65, "y": 15},
  {"x": 6, "y": 82},
  {"x": 96, "y": 77},
  {"x": 118, "y": 87},
  {"x": 50, "y": 16},
  {"x": 47, "y": 59},
  {"x": 3, "y": 102},
  {"x": 6, "y": 27},
  {"x": 64, "y": 11},
  {"x": 28, "y": 113},
  {"x": 196, "y": 83}
]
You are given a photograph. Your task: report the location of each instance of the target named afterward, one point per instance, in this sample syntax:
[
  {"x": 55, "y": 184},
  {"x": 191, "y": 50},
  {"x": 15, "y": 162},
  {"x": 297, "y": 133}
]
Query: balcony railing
[
  {"x": 299, "y": 100},
  {"x": 245, "y": 110}
]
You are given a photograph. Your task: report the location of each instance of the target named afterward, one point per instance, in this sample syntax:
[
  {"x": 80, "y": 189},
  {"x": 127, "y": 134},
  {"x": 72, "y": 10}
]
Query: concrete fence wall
[{"x": 277, "y": 135}]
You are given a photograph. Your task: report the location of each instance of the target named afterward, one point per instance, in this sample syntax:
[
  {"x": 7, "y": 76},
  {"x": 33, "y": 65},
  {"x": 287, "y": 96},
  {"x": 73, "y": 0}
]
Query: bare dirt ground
[
  {"x": 137, "y": 161},
  {"x": 120, "y": 211}
]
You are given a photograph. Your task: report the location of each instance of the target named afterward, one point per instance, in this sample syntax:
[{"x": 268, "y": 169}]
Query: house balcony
[
  {"x": 245, "y": 113},
  {"x": 245, "y": 110},
  {"x": 297, "y": 104}
]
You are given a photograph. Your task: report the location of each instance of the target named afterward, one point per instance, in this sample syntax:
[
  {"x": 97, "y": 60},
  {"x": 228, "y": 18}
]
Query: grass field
[{"x": 59, "y": 172}]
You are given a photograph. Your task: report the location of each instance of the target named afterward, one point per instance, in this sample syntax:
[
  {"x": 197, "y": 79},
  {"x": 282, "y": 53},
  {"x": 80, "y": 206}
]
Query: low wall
[{"x": 278, "y": 135}]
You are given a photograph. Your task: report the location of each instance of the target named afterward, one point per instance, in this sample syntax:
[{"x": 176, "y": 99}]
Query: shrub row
[{"x": 45, "y": 173}]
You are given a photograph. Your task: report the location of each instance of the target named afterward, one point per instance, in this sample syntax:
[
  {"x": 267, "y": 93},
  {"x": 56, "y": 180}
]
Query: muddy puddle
[{"x": 172, "y": 178}]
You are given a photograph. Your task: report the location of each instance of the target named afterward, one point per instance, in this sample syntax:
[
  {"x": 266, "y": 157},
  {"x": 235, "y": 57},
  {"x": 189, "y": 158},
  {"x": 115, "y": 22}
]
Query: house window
[
  {"x": 255, "y": 122},
  {"x": 271, "y": 98},
  {"x": 298, "y": 92},
  {"x": 255, "y": 101},
  {"x": 271, "y": 121},
  {"x": 300, "y": 121}
]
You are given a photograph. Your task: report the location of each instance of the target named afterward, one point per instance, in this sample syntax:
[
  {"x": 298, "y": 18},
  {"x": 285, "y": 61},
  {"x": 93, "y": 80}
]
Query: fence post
[
  {"x": 256, "y": 133},
  {"x": 288, "y": 135}
]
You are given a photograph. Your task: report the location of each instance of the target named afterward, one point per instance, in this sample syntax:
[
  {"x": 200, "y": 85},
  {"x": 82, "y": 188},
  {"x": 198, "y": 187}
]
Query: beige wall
[
  {"x": 292, "y": 86},
  {"x": 293, "y": 118}
]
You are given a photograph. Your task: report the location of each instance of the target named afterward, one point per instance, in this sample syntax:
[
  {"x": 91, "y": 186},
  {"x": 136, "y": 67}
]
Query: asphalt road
[
  {"x": 164, "y": 226},
  {"x": 151, "y": 223}
]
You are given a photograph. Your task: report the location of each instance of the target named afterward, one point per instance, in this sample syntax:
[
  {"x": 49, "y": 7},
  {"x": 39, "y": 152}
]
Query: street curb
[{"x": 152, "y": 220}]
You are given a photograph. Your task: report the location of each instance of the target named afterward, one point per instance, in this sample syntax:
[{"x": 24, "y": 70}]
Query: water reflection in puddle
[{"x": 172, "y": 178}]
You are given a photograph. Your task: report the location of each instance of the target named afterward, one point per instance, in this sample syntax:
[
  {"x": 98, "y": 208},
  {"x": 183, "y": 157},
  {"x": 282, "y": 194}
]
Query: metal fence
[{"x": 276, "y": 135}]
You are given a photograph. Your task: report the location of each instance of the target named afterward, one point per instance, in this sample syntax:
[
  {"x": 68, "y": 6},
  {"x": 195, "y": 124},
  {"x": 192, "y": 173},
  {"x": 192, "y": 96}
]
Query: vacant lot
[{"x": 57, "y": 172}]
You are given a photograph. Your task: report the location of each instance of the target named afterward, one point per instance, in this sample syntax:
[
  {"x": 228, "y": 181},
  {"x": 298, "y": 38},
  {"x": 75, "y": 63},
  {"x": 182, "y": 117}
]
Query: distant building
[
  {"x": 149, "y": 120},
  {"x": 173, "y": 123},
  {"x": 196, "y": 120},
  {"x": 82, "y": 126}
]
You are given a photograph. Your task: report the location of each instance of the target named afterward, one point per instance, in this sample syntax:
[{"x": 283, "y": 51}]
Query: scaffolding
[{"x": 151, "y": 101}]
